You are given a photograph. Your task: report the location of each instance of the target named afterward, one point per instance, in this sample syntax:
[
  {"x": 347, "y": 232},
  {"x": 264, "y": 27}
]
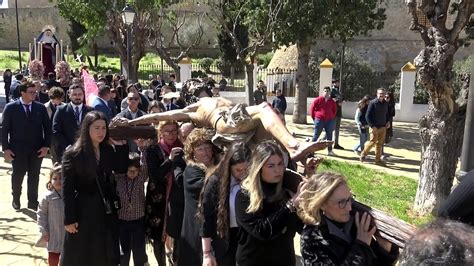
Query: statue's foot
[{"x": 305, "y": 148}]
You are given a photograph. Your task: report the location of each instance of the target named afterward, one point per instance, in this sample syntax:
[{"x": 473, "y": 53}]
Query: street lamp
[{"x": 128, "y": 15}]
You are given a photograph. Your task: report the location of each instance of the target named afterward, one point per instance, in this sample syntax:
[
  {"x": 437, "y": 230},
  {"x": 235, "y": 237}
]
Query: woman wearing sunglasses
[{"x": 333, "y": 235}]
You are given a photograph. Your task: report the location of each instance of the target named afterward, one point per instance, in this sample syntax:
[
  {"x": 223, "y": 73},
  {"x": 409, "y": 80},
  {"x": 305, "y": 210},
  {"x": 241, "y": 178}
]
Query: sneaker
[
  {"x": 362, "y": 159},
  {"x": 380, "y": 163},
  {"x": 331, "y": 153},
  {"x": 357, "y": 152},
  {"x": 338, "y": 147}
]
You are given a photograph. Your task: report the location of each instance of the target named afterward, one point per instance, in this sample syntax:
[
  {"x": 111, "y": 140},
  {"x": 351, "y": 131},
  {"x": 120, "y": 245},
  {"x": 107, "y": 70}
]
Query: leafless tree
[{"x": 168, "y": 37}]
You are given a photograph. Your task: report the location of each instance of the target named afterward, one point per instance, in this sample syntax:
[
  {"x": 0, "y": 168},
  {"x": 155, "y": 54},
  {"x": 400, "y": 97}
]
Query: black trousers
[
  {"x": 23, "y": 163},
  {"x": 159, "y": 251},
  {"x": 132, "y": 239}
]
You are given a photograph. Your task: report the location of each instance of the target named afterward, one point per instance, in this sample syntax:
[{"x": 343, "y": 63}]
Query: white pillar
[
  {"x": 407, "y": 90},
  {"x": 325, "y": 75},
  {"x": 185, "y": 69}
]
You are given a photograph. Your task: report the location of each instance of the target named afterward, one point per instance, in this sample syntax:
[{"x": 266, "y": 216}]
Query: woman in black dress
[
  {"x": 90, "y": 202},
  {"x": 265, "y": 211},
  {"x": 162, "y": 158},
  {"x": 217, "y": 207},
  {"x": 200, "y": 155}
]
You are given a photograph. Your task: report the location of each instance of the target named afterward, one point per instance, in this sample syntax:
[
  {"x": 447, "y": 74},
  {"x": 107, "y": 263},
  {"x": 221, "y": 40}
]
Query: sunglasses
[{"x": 133, "y": 98}]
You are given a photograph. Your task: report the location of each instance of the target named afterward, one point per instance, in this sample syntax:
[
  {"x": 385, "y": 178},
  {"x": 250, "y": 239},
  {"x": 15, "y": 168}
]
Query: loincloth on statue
[{"x": 235, "y": 118}]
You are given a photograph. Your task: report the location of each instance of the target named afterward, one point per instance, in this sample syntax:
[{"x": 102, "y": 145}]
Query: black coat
[
  {"x": 190, "y": 248},
  {"x": 459, "y": 204},
  {"x": 65, "y": 127},
  {"x": 320, "y": 247},
  {"x": 23, "y": 134},
  {"x": 176, "y": 199},
  {"x": 266, "y": 236},
  {"x": 158, "y": 167},
  {"x": 96, "y": 243},
  {"x": 224, "y": 250}
]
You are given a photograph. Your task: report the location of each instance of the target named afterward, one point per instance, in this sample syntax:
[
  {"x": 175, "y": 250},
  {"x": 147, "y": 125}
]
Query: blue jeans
[
  {"x": 363, "y": 137},
  {"x": 327, "y": 125}
]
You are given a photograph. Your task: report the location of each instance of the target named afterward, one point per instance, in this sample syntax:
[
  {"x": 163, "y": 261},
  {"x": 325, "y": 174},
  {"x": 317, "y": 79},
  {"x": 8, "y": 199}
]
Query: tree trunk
[
  {"x": 441, "y": 140},
  {"x": 249, "y": 83},
  {"x": 441, "y": 129},
  {"x": 301, "y": 93},
  {"x": 96, "y": 54}
]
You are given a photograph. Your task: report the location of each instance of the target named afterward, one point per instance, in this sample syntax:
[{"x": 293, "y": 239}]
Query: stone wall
[{"x": 390, "y": 48}]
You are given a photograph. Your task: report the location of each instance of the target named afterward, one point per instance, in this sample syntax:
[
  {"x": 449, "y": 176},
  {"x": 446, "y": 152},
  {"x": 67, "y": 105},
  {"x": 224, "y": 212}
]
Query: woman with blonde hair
[
  {"x": 265, "y": 211},
  {"x": 332, "y": 235}
]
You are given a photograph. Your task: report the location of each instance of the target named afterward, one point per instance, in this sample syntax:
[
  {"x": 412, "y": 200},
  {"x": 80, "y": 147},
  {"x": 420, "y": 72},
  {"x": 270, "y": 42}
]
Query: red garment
[
  {"x": 322, "y": 109},
  {"x": 53, "y": 259}
]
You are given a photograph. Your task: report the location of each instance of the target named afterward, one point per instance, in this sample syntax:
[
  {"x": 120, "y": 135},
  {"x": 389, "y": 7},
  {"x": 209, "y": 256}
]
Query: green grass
[
  {"x": 388, "y": 193},
  {"x": 9, "y": 59}
]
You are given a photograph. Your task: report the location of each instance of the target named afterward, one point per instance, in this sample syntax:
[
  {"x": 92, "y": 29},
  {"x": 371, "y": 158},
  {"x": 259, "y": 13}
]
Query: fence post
[
  {"x": 185, "y": 69},
  {"x": 325, "y": 75},
  {"x": 407, "y": 89}
]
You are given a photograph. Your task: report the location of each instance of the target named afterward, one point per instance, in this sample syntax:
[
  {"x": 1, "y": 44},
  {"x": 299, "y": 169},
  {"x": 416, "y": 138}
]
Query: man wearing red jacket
[{"x": 323, "y": 111}]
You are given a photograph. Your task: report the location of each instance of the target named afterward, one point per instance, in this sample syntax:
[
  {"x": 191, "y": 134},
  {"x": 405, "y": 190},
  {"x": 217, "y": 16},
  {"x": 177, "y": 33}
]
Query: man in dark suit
[
  {"x": 26, "y": 138},
  {"x": 167, "y": 99},
  {"x": 14, "y": 92},
  {"x": 67, "y": 120},
  {"x": 101, "y": 102},
  {"x": 132, "y": 112}
]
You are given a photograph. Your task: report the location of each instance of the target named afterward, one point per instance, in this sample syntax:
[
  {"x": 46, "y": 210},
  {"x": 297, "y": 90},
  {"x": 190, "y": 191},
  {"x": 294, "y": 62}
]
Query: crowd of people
[
  {"x": 373, "y": 118},
  {"x": 212, "y": 187}
]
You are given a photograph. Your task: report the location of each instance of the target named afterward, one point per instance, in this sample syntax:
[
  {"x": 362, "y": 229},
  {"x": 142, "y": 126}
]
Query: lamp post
[
  {"x": 128, "y": 15},
  {"x": 18, "y": 34}
]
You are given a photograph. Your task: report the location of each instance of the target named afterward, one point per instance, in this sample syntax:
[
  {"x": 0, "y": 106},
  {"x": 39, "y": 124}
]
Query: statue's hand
[{"x": 119, "y": 122}]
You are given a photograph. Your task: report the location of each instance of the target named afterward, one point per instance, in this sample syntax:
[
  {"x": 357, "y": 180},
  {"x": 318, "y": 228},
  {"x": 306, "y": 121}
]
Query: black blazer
[
  {"x": 23, "y": 134},
  {"x": 65, "y": 126}
]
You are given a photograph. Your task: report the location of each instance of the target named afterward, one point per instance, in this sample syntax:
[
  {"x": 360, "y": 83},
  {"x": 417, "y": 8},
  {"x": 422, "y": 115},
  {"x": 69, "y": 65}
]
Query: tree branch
[
  {"x": 412, "y": 8},
  {"x": 465, "y": 11}
]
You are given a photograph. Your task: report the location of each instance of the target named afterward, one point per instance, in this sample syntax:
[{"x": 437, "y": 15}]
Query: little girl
[{"x": 51, "y": 216}]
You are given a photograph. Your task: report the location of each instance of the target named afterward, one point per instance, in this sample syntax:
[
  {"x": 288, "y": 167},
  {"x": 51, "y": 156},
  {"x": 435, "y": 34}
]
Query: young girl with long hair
[
  {"x": 217, "y": 206},
  {"x": 265, "y": 211},
  {"x": 89, "y": 194}
]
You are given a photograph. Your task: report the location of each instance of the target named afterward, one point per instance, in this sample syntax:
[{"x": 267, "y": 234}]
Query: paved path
[{"x": 18, "y": 230}]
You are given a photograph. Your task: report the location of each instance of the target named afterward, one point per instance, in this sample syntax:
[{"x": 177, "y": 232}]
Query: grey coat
[{"x": 51, "y": 220}]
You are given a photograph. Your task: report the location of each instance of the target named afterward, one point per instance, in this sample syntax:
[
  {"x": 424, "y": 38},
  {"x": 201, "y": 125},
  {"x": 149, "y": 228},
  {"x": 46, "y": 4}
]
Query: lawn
[{"x": 389, "y": 193}]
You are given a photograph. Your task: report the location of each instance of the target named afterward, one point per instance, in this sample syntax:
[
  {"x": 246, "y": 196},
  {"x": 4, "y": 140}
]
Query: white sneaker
[
  {"x": 384, "y": 157},
  {"x": 357, "y": 152},
  {"x": 331, "y": 153}
]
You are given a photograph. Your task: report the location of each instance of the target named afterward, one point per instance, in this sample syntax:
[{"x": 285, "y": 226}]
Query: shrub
[
  {"x": 264, "y": 59},
  {"x": 206, "y": 63}
]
